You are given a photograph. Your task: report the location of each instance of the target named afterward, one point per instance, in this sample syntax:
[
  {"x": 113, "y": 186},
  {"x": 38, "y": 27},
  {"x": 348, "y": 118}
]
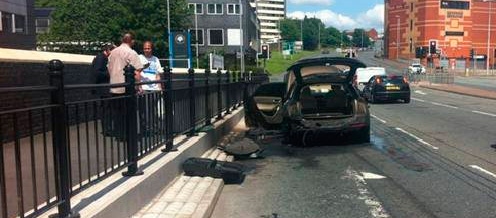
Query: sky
[{"x": 341, "y": 14}]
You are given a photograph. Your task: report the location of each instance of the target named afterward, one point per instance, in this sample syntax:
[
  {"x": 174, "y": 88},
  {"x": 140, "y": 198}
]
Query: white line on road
[
  {"x": 375, "y": 206},
  {"x": 444, "y": 105},
  {"x": 374, "y": 116},
  {"x": 420, "y": 92},
  {"x": 417, "y": 138},
  {"x": 483, "y": 170},
  {"x": 484, "y": 113},
  {"x": 416, "y": 99}
]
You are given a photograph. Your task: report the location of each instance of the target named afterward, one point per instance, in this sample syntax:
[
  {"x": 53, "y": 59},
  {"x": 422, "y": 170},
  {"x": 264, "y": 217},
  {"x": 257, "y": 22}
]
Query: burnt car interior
[{"x": 329, "y": 99}]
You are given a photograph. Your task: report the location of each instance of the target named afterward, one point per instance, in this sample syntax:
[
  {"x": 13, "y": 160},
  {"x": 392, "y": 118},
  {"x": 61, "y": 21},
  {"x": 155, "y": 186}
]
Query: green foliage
[
  {"x": 360, "y": 38},
  {"x": 277, "y": 64},
  {"x": 290, "y": 29},
  {"x": 83, "y": 22}
]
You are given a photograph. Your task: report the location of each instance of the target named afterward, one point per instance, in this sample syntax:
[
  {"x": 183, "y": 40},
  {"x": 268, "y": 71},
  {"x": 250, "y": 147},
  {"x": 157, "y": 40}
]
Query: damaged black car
[{"x": 318, "y": 95}]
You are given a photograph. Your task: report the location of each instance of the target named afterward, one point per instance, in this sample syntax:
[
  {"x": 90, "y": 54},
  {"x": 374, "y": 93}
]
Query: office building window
[
  {"x": 200, "y": 36},
  {"x": 448, "y": 4},
  {"x": 196, "y": 8},
  {"x": 6, "y": 22},
  {"x": 233, "y": 9},
  {"x": 216, "y": 37},
  {"x": 214, "y": 9},
  {"x": 42, "y": 25},
  {"x": 20, "y": 24}
]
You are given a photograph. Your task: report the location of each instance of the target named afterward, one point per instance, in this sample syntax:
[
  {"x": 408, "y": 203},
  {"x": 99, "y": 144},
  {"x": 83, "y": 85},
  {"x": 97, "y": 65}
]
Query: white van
[{"x": 364, "y": 74}]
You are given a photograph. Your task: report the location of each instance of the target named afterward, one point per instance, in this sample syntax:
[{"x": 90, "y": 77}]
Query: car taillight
[
  {"x": 405, "y": 80},
  {"x": 355, "y": 80},
  {"x": 378, "y": 80}
]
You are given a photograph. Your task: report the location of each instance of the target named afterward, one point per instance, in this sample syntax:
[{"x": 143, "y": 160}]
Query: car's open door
[{"x": 264, "y": 107}]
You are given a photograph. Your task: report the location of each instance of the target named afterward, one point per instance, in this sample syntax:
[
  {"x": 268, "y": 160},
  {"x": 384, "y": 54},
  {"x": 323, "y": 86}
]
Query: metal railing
[{"x": 52, "y": 151}]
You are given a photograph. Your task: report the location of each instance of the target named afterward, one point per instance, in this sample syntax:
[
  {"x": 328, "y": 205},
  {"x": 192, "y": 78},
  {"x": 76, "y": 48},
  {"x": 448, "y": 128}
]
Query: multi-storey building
[
  {"x": 17, "y": 28},
  {"x": 449, "y": 31},
  {"x": 270, "y": 12},
  {"x": 218, "y": 25}
]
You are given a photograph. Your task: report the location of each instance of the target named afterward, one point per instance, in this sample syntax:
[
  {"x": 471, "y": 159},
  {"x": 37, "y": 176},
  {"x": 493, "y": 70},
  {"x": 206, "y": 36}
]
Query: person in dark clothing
[
  {"x": 100, "y": 71},
  {"x": 99, "y": 65}
]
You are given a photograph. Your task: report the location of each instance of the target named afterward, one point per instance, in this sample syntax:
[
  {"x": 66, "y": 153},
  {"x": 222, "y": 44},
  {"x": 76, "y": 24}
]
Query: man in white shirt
[{"x": 148, "y": 103}]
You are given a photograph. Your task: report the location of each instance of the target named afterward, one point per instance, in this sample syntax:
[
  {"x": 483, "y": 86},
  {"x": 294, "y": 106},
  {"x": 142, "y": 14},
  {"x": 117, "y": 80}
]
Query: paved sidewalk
[{"x": 464, "y": 90}]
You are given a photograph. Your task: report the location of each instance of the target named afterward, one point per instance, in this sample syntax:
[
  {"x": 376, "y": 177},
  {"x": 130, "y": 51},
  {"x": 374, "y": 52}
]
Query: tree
[
  {"x": 88, "y": 23},
  {"x": 290, "y": 29},
  {"x": 361, "y": 38}
]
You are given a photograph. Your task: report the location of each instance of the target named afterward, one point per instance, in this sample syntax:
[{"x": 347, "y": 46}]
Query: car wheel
[
  {"x": 407, "y": 100},
  {"x": 372, "y": 98},
  {"x": 363, "y": 136}
]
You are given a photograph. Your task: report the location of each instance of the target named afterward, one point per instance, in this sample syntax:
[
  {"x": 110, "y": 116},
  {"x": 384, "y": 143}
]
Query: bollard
[
  {"x": 228, "y": 94},
  {"x": 192, "y": 112},
  {"x": 60, "y": 146},
  {"x": 219, "y": 95},
  {"x": 207, "y": 99},
  {"x": 132, "y": 123},
  {"x": 169, "y": 112}
]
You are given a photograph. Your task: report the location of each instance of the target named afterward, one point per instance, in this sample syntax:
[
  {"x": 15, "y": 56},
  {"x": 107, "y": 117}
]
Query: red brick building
[{"x": 453, "y": 27}]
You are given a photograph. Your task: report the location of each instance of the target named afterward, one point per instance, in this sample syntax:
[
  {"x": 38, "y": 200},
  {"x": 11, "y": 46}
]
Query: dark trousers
[
  {"x": 148, "y": 112},
  {"x": 118, "y": 116}
]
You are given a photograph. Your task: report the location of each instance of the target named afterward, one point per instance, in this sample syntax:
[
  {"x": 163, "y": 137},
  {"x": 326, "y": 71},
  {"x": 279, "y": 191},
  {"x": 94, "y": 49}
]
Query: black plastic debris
[
  {"x": 231, "y": 173},
  {"x": 245, "y": 148}
]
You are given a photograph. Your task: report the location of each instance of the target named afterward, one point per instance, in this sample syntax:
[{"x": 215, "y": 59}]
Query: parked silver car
[{"x": 318, "y": 95}]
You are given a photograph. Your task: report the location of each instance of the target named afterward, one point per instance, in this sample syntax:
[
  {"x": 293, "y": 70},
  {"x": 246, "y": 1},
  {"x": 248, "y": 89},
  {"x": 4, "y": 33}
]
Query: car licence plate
[{"x": 392, "y": 88}]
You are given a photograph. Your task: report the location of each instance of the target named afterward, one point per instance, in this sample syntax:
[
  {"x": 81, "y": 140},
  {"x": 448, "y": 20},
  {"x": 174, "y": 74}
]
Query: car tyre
[
  {"x": 372, "y": 98},
  {"x": 363, "y": 136},
  {"x": 407, "y": 100}
]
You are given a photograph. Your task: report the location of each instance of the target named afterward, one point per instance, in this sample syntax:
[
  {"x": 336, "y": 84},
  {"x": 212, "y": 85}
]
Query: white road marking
[
  {"x": 420, "y": 92},
  {"x": 416, "y": 99},
  {"x": 484, "y": 113},
  {"x": 374, "y": 116},
  {"x": 417, "y": 138},
  {"x": 375, "y": 206},
  {"x": 444, "y": 105},
  {"x": 367, "y": 175},
  {"x": 483, "y": 170}
]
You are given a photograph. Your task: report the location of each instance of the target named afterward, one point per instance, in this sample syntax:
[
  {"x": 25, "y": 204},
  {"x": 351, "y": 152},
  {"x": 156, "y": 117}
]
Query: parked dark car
[
  {"x": 317, "y": 95},
  {"x": 387, "y": 88}
]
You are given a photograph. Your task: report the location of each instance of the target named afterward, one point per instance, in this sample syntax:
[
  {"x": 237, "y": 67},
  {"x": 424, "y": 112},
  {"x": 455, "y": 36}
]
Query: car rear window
[{"x": 392, "y": 79}]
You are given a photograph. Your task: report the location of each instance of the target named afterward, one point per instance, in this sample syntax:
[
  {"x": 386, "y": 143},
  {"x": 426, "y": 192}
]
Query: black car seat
[
  {"x": 308, "y": 101},
  {"x": 336, "y": 100}
]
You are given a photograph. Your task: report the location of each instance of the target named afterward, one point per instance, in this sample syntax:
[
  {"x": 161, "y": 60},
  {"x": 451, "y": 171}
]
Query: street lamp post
[
  {"x": 398, "y": 37},
  {"x": 241, "y": 44},
  {"x": 488, "y": 35},
  {"x": 169, "y": 33},
  {"x": 301, "y": 33}
]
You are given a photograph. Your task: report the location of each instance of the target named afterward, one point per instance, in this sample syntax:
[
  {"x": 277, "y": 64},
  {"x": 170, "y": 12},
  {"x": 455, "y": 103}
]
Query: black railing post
[
  {"x": 228, "y": 94},
  {"x": 169, "y": 111},
  {"x": 241, "y": 83},
  {"x": 207, "y": 99},
  {"x": 60, "y": 146},
  {"x": 132, "y": 123},
  {"x": 246, "y": 85},
  {"x": 192, "y": 106},
  {"x": 219, "y": 95}
]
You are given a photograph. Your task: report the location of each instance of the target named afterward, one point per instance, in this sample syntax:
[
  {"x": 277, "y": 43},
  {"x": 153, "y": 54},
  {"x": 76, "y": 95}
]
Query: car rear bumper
[{"x": 392, "y": 95}]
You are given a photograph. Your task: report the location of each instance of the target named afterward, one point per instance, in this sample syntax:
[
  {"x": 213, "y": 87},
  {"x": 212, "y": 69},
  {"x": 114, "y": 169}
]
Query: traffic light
[
  {"x": 472, "y": 53},
  {"x": 418, "y": 52},
  {"x": 265, "y": 51},
  {"x": 432, "y": 47}
]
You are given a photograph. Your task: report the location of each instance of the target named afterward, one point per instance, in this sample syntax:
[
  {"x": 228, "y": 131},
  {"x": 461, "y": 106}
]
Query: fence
[{"x": 65, "y": 147}]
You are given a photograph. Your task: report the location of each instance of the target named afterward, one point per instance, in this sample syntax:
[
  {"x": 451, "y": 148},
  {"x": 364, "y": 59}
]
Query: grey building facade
[
  {"x": 217, "y": 23},
  {"x": 17, "y": 26}
]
